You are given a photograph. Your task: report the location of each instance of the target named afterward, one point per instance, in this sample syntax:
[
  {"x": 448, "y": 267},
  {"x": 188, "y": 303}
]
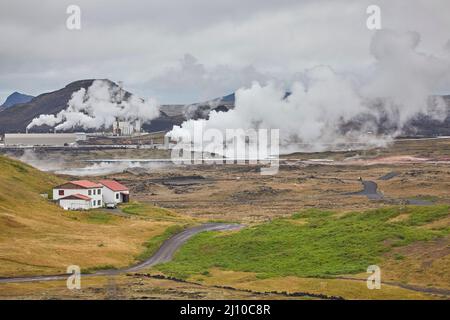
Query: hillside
[
  {"x": 15, "y": 98},
  {"x": 38, "y": 237},
  {"x": 326, "y": 252},
  {"x": 17, "y": 117},
  {"x": 201, "y": 110}
]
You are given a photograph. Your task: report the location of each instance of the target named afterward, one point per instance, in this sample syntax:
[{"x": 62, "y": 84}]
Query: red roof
[
  {"x": 77, "y": 196},
  {"x": 86, "y": 184},
  {"x": 113, "y": 185}
]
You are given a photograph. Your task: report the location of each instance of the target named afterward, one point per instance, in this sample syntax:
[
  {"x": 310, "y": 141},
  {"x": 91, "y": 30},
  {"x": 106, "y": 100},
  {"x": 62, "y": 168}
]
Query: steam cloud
[
  {"x": 66, "y": 166},
  {"x": 105, "y": 168},
  {"x": 97, "y": 107},
  {"x": 313, "y": 116}
]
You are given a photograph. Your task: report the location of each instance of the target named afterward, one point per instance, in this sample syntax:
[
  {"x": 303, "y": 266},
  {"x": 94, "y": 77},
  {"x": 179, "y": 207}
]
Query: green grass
[
  {"x": 326, "y": 245},
  {"x": 426, "y": 198},
  {"x": 154, "y": 243},
  {"x": 149, "y": 211},
  {"x": 425, "y": 214},
  {"x": 98, "y": 217},
  {"x": 98, "y": 268}
]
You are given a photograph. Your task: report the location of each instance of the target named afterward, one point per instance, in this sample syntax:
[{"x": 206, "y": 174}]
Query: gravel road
[{"x": 164, "y": 254}]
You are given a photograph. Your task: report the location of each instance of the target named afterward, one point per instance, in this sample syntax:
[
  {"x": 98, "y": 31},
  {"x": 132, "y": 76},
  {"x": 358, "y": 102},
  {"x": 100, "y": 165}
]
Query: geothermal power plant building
[
  {"x": 42, "y": 139},
  {"x": 125, "y": 128}
]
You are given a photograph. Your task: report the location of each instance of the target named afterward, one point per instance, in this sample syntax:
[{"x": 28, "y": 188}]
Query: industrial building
[
  {"x": 42, "y": 139},
  {"x": 126, "y": 128}
]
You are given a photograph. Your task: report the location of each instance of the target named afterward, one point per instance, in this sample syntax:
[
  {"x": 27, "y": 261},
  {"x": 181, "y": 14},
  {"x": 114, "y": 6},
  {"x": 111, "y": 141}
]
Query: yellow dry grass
[
  {"x": 38, "y": 237},
  {"x": 348, "y": 289},
  {"x": 424, "y": 264},
  {"x": 400, "y": 218},
  {"x": 123, "y": 287}
]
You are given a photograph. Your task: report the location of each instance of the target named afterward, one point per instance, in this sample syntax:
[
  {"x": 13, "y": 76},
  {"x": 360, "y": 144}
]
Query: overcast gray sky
[{"x": 188, "y": 51}]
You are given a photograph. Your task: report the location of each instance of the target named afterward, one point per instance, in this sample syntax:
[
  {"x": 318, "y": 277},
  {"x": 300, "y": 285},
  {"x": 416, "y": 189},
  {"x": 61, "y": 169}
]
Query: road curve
[
  {"x": 164, "y": 254},
  {"x": 370, "y": 190},
  {"x": 168, "y": 248}
]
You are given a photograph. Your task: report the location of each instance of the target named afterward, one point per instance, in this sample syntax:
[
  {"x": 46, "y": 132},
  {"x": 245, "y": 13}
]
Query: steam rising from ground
[
  {"x": 80, "y": 169},
  {"x": 106, "y": 168},
  {"x": 315, "y": 115},
  {"x": 97, "y": 108}
]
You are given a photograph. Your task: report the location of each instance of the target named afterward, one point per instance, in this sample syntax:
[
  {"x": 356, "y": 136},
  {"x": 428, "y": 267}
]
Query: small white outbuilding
[
  {"x": 114, "y": 192},
  {"x": 75, "y": 202}
]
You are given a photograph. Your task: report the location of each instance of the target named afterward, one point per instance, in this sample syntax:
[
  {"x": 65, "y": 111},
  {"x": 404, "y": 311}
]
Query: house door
[{"x": 125, "y": 197}]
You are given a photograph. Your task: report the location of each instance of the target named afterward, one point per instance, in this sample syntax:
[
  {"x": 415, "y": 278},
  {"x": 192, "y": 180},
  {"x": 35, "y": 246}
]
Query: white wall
[
  {"x": 110, "y": 196},
  {"x": 95, "y": 197},
  {"x": 49, "y": 139},
  {"x": 75, "y": 204}
]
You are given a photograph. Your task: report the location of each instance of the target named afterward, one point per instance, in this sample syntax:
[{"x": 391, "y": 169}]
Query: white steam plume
[
  {"x": 67, "y": 166},
  {"x": 319, "y": 107},
  {"x": 97, "y": 107}
]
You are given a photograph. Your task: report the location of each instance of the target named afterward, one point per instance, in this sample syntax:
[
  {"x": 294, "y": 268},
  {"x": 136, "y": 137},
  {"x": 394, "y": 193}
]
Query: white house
[
  {"x": 79, "y": 195},
  {"x": 114, "y": 192}
]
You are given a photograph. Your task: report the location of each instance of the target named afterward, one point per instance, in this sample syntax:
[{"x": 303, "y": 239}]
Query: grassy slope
[
  {"x": 312, "y": 244},
  {"x": 36, "y": 236}
]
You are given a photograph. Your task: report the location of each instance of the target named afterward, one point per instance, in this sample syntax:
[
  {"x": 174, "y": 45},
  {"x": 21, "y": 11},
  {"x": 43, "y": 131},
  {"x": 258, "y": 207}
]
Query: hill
[
  {"x": 15, "y": 98},
  {"x": 17, "y": 117},
  {"x": 327, "y": 252},
  {"x": 38, "y": 237},
  {"x": 201, "y": 110}
]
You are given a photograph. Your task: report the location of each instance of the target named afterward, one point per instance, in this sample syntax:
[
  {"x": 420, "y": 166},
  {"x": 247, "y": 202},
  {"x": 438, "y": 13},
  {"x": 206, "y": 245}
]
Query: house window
[
  {"x": 60, "y": 192},
  {"x": 99, "y": 202},
  {"x": 90, "y": 192},
  {"x": 93, "y": 191},
  {"x": 117, "y": 196},
  {"x": 99, "y": 191},
  {"x": 93, "y": 203}
]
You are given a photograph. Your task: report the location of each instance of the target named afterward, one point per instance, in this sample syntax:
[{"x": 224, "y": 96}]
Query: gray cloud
[
  {"x": 191, "y": 80},
  {"x": 138, "y": 41},
  {"x": 312, "y": 116}
]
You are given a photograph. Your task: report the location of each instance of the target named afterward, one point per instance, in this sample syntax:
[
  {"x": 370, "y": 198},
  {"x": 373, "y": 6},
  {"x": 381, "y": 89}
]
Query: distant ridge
[
  {"x": 17, "y": 117},
  {"x": 15, "y": 98}
]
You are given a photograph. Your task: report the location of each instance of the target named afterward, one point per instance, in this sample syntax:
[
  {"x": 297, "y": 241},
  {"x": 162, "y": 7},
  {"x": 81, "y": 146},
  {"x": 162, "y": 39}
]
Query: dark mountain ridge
[
  {"x": 15, "y": 98},
  {"x": 17, "y": 117}
]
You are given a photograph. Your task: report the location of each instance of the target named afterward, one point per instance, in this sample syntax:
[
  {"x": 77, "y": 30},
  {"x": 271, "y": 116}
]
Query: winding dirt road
[
  {"x": 164, "y": 254},
  {"x": 370, "y": 190}
]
